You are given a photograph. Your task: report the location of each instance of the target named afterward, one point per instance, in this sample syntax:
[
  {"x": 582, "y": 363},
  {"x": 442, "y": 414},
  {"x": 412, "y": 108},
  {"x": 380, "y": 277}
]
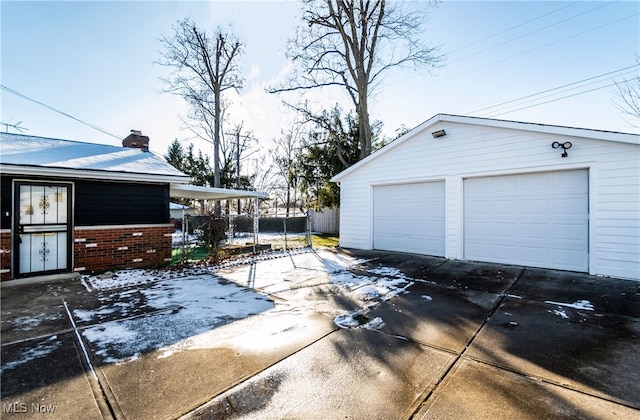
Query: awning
[{"x": 196, "y": 192}]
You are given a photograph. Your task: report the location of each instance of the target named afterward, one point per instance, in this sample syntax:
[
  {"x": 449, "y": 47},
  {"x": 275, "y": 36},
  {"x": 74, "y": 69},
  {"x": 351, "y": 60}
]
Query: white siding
[{"x": 470, "y": 150}]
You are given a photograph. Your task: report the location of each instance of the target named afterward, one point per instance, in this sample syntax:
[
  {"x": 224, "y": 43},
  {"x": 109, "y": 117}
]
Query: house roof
[
  {"x": 488, "y": 122},
  {"x": 29, "y": 155}
]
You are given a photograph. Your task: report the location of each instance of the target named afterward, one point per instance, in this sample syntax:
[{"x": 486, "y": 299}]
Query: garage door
[
  {"x": 539, "y": 220},
  {"x": 409, "y": 218}
]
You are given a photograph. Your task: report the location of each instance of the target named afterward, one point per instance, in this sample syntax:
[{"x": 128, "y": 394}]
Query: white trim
[
  {"x": 529, "y": 170},
  {"x": 593, "y": 208},
  {"x": 43, "y": 171},
  {"x": 6, "y": 230},
  {"x": 402, "y": 181},
  {"x": 107, "y": 227},
  {"x": 197, "y": 192}
]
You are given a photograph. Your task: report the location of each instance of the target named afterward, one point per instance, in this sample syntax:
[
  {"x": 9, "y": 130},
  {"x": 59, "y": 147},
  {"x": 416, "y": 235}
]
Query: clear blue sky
[{"x": 95, "y": 61}]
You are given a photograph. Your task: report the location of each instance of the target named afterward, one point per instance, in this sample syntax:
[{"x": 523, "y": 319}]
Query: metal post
[
  {"x": 284, "y": 222},
  {"x": 256, "y": 223}
]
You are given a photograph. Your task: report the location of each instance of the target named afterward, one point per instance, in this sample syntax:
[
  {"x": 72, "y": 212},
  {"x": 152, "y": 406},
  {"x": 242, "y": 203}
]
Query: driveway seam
[
  {"x": 550, "y": 382},
  {"x": 459, "y": 356},
  {"x": 209, "y": 400},
  {"x": 100, "y": 391}
]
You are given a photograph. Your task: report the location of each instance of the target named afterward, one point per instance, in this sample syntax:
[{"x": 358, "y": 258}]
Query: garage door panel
[
  {"x": 409, "y": 218},
  {"x": 533, "y": 219}
]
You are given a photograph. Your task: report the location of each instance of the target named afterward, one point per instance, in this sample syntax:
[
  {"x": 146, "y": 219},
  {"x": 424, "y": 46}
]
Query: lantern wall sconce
[
  {"x": 565, "y": 146},
  {"x": 439, "y": 133}
]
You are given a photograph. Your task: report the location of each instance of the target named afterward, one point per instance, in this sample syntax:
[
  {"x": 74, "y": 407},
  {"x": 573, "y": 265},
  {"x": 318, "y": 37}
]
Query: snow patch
[
  {"x": 357, "y": 320},
  {"x": 560, "y": 313},
  {"x": 180, "y": 308},
  {"x": 32, "y": 353},
  {"x": 580, "y": 304}
]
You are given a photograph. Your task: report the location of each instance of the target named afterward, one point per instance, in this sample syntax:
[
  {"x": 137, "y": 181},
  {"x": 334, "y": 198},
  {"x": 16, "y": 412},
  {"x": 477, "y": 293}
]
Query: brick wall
[
  {"x": 5, "y": 255},
  {"x": 119, "y": 247}
]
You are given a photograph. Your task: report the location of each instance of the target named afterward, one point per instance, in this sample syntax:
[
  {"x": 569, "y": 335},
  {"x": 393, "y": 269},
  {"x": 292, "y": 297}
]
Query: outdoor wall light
[
  {"x": 565, "y": 146},
  {"x": 439, "y": 133}
]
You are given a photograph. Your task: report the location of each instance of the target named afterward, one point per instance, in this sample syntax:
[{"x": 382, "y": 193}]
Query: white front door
[
  {"x": 409, "y": 218},
  {"x": 43, "y": 220},
  {"x": 539, "y": 219}
]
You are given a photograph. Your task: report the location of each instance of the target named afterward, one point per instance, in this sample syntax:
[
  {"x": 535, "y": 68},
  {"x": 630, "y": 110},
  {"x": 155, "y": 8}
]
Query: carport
[{"x": 196, "y": 192}]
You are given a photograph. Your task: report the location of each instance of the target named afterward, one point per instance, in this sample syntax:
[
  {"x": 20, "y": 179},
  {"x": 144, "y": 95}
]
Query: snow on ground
[
  {"x": 580, "y": 304},
  {"x": 175, "y": 309},
  {"x": 31, "y": 353},
  {"x": 180, "y": 310}
]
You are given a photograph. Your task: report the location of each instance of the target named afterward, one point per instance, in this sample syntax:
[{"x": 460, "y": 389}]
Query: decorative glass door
[{"x": 44, "y": 222}]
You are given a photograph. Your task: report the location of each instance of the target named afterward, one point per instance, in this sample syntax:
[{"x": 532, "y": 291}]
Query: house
[
  {"x": 71, "y": 206},
  {"x": 500, "y": 191},
  {"x": 178, "y": 211}
]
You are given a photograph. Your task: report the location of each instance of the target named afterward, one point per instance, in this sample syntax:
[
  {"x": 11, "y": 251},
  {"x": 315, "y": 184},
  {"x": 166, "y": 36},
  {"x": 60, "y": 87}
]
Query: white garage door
[
  {"x": 409, "y": 218},
  {"x": 539, "y": 220}
]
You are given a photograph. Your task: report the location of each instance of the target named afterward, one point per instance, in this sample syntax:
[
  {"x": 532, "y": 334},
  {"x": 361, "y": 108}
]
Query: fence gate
[{"x": 43, "y": 221}]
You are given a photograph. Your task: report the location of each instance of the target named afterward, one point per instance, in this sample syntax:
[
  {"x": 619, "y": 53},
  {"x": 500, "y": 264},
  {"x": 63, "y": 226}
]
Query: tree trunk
[{"x": 363, "y": 123}]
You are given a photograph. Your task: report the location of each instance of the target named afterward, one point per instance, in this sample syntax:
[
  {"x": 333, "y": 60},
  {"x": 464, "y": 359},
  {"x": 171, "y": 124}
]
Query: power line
[
  {"x": 95, "y": 127},
  {"x": 514, "y": 27},
  {"x": 532, "y": 32},
  {"x": 521, "y": 53},
  {"x": 557, "y": 88},
  {"x": 551, "y": 100}
]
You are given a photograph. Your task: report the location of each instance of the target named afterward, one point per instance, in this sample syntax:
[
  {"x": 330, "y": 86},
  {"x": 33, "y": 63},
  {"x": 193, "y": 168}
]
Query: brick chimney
[{"x": 136, "y": 140}]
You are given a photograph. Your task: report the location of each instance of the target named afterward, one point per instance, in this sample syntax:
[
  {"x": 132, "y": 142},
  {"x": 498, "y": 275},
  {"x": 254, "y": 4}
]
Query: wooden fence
[{"x": 325, "y": 221}]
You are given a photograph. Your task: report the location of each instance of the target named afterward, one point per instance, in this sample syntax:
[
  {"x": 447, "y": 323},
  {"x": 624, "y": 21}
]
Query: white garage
[
  {"x": 539, "y": 219},
  {"x": 409, "y": 218},
  {"x": 500, "y": 191}
]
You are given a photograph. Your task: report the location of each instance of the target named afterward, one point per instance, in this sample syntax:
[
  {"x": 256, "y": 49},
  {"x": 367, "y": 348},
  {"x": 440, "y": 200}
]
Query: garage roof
[{"x": 488, "y": 122}]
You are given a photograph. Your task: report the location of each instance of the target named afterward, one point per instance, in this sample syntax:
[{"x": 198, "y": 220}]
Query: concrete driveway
[{"x": 453, "y": 340}]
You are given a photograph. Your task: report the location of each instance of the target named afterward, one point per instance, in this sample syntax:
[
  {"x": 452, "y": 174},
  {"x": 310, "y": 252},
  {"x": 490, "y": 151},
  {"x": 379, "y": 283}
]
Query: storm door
[{"x": 43, "y": 220}]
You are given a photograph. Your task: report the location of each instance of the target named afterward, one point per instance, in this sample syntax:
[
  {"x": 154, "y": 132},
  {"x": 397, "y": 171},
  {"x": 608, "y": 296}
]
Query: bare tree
[
  {"x": 284, "y": 157},
  {"x": 203, "y": 68},
  {"x": 627, "y": 98},
  {"x": 351, "y": 43}
]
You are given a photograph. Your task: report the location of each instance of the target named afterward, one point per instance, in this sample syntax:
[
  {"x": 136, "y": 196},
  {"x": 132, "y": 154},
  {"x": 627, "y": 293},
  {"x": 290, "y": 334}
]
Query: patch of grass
[
  {"x": 193, "y": 254},
  {"x": 322, "y": 240}
]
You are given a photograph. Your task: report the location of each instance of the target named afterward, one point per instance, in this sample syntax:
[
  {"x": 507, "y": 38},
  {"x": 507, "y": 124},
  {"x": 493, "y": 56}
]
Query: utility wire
[
  {"x": 95, "y": 127},
  {"x": 520, "y": 53},
  {"x": 557, "y": 88},
  {"x": 533, "y": 32},
  {"x": 551, "y": 100},
  {"x": 513, "y": 27}
]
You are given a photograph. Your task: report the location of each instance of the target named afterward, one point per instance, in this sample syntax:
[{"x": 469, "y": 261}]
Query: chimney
[{"x": 136, "y": 140}]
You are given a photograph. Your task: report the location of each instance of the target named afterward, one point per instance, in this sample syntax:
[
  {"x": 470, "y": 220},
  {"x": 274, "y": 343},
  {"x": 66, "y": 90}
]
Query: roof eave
[
  {"x": 196, "y": 192},
  {"x": 43, "y": 171}
]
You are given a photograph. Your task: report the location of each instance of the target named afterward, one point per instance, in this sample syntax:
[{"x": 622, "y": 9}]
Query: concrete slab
[
  {"x": 475, "y": 390},
  {"x": 488, "y": 277},
  {"x": 605, "y": 294},
  {"x": 348, "y": 374},
  {"x": 179, "y": 378},
  {"x": 592, "y": 352},
  {"x": 34, "y": 310},
  {"x": 411, "y": 265},
  {"x": 45, "y": 378},
  {"x": 444, "y": 317}
]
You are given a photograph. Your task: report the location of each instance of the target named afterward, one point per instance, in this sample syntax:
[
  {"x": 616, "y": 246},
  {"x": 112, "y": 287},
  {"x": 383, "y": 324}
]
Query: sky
[{"x": 547, "y": 62}]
